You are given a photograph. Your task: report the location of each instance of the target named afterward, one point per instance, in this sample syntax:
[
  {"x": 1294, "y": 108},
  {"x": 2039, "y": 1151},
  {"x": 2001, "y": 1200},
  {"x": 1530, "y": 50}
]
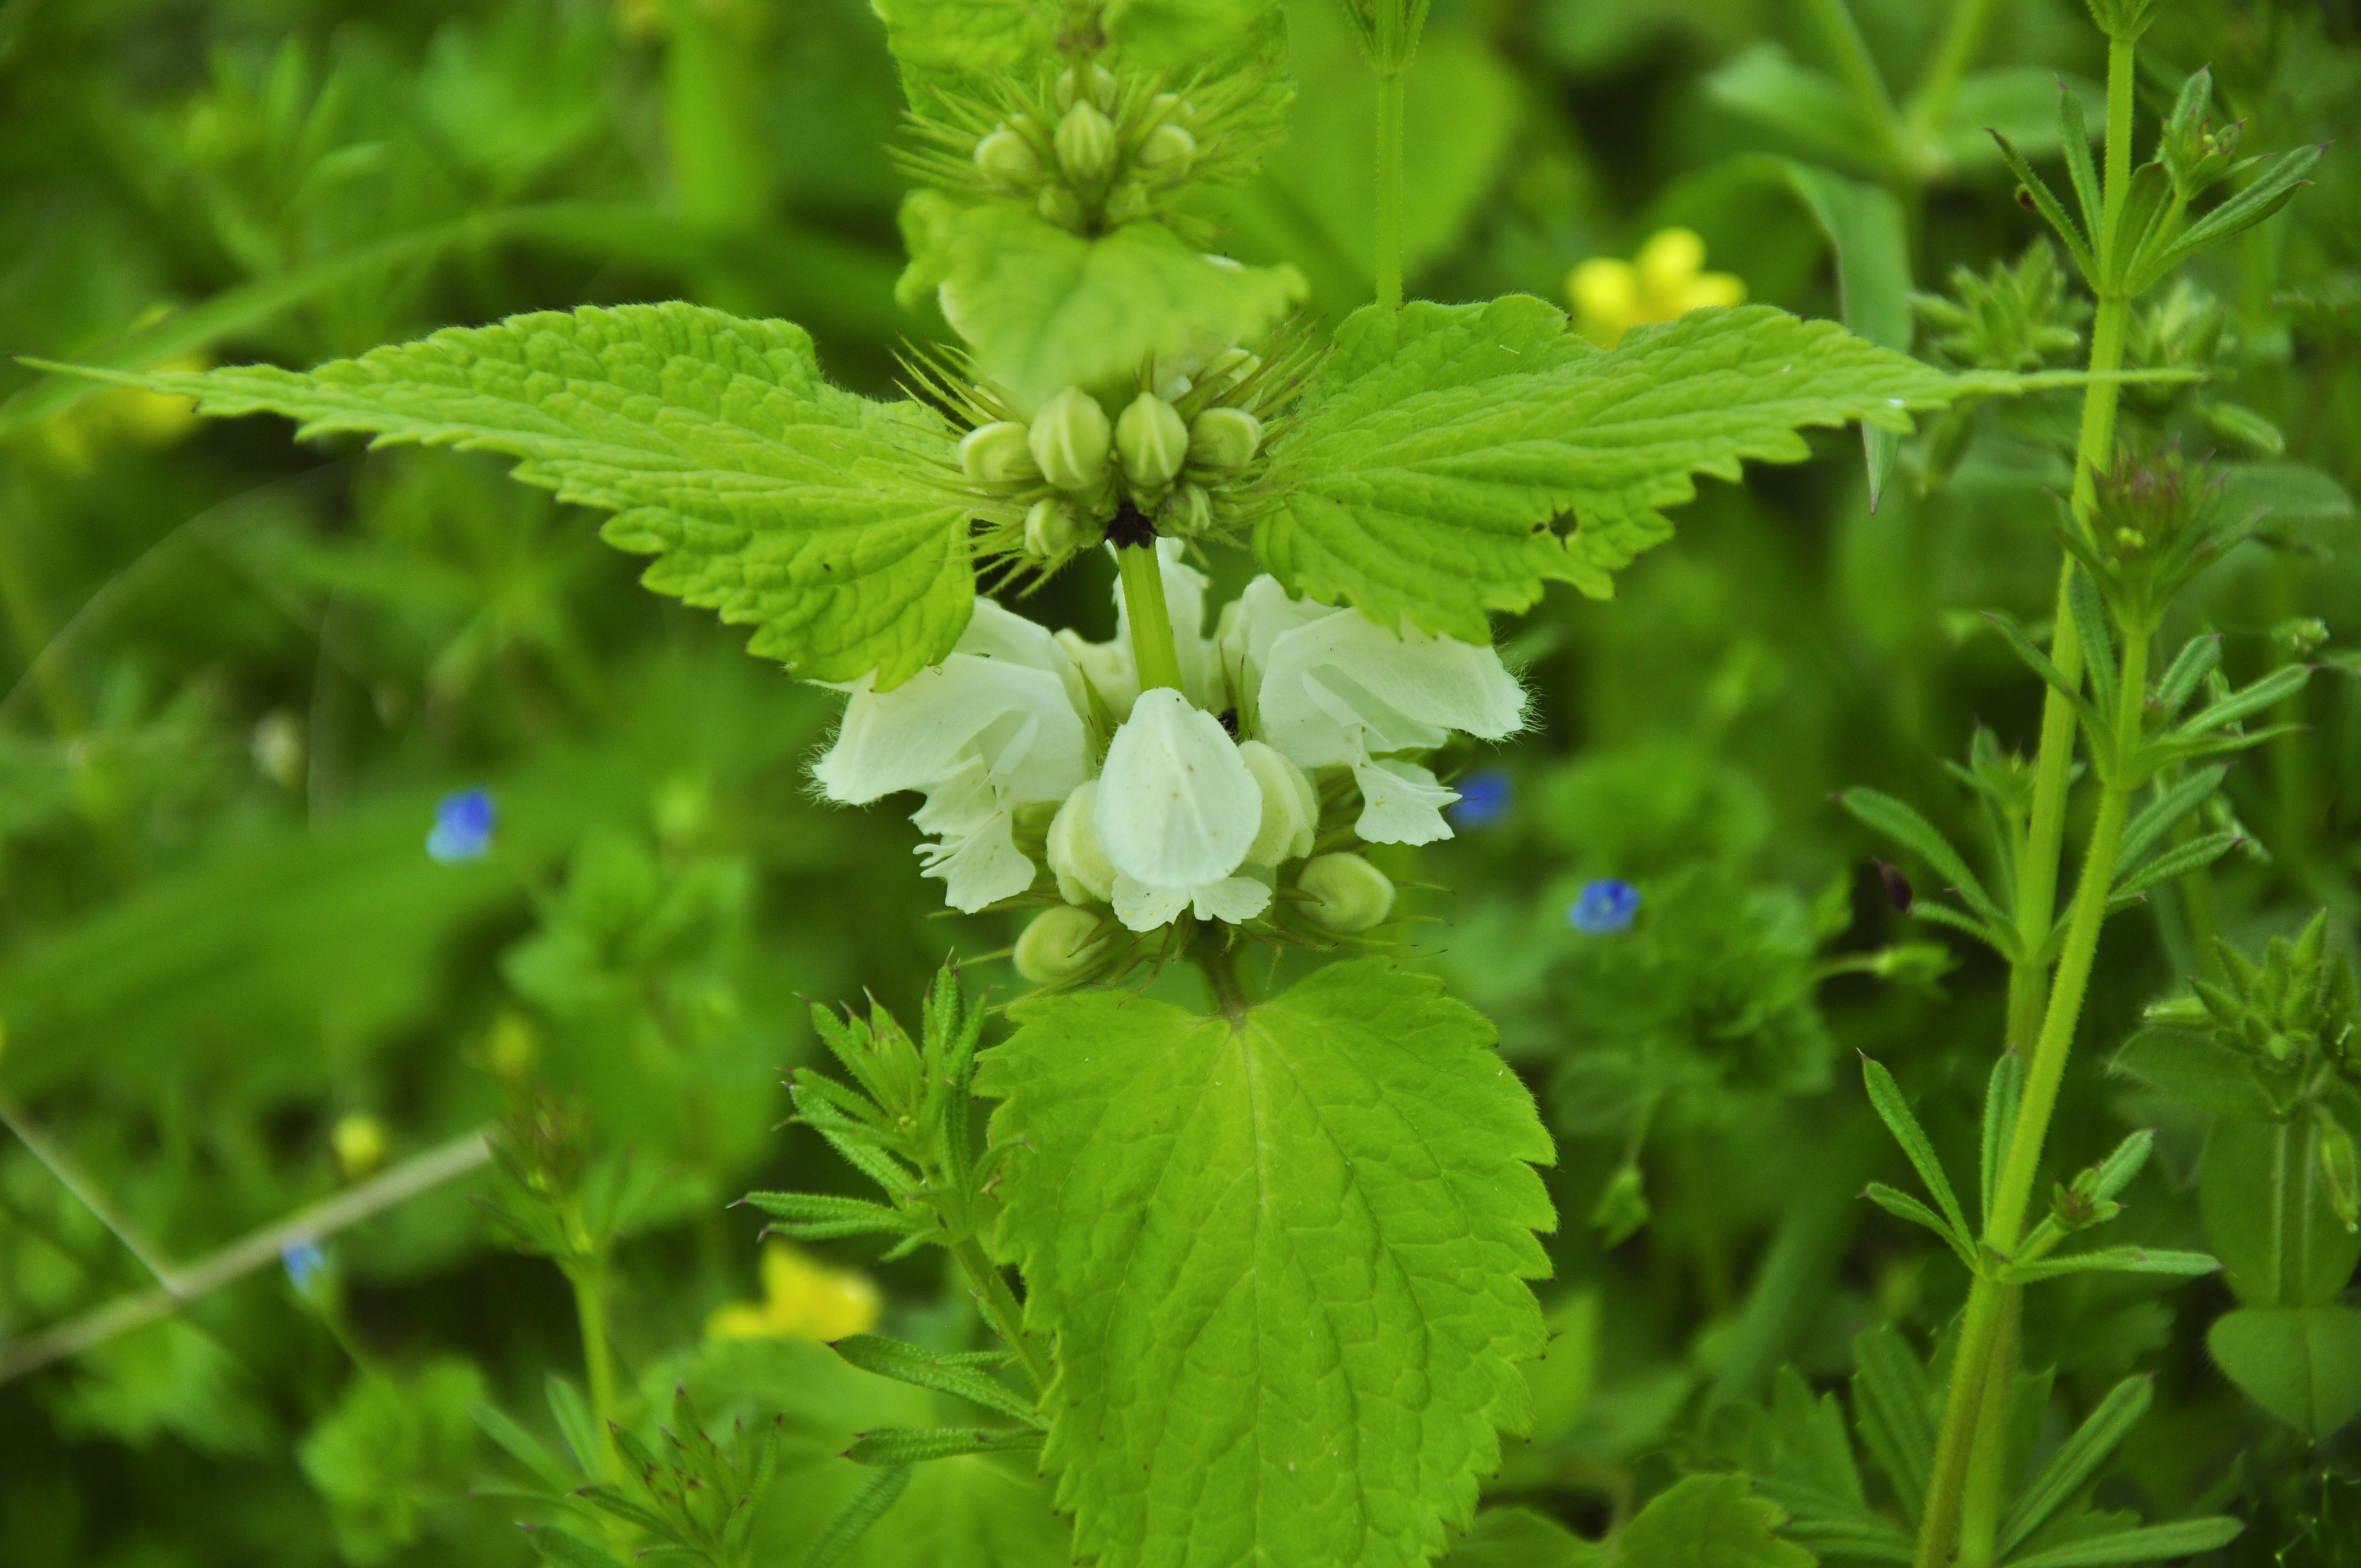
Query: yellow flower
[
  {"x": 802, "y": 1299},
  {"x": 360, "y": 1144},
  {"x": 1667, "y": 281}
]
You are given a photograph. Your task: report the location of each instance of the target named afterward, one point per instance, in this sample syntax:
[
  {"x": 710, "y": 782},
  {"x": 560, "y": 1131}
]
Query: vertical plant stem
[
  {"x": 1152, "y": 648},
  {"x": 1963, "y": 35},
  {"x": 1000, "y": 1308},
  {"x": 1221, "y": 967},
  {"x": 1390, "y": 187},
  {"x": 1852, "y": 58},
  {"x": 1981, "y": 1496},
  {"x": 1979, "y": 1327},
  {"x": 589, "y": 1281}
]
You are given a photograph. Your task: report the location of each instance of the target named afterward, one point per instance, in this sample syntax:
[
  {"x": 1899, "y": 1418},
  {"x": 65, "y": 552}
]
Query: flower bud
[
  {"x": 1353, "y": 894},
  {"x": 1188, "y": 511},
  {"x": 1060, "y": 206},
  {"x": 1096, "y": 82},
  {"x": 1152, "y": 441},
  {"x": 1164, "y": 146},
  {"x": 1069, "y": 440},
  {"x": 1059, "y": 944},
  {"x": 1050, "y": 529},
  {"x": 996, "y": 453},
  {"x": 1086, "y": 145},
  {"x": 1127, "y": 203},
  {"x": 1223, "y": 438},
  {"x": 1291, "y": 807},
  {"x": 360, "y": 1144},
  {"x": 1086, "y": 875},
  {"x": 1007, "y": 152}
]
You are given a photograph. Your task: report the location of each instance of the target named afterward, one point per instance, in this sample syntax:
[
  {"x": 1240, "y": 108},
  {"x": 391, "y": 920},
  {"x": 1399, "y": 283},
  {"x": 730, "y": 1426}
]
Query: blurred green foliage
[{"x": 240, "y": 673}]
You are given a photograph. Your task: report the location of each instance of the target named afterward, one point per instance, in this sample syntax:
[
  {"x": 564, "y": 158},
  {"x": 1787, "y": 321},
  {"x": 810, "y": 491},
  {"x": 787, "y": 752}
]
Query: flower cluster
[
  {"x": 1180, "y": 449},
  {"x": 1093, "y": 150},
  {"x": 1210, "y": 800}
]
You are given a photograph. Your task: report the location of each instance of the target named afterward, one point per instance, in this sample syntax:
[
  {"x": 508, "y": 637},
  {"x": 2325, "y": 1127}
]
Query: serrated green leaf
[
  {"x": 1283, "y": 1258},
  {"x": 1043, "y": 310},
  {"x": 811, "y": 514},
  {"x": 1708, "y": 1521},
  {"x": 2077, "y": 1459},
  {"x": 1438, "y": 443},
  {"x": 1520, "y": 1538}
]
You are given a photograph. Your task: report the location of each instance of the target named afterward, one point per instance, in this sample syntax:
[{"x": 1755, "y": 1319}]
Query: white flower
[
  {"x": 1112, "y": 670},
  {"x": 1330, "y": 687},
  {"x": 1175, "y": 812},
  {"x": 997, "y": 725}
]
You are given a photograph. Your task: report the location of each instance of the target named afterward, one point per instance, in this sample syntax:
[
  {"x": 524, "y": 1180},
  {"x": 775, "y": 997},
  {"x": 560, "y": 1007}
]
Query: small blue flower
[
  {"x": 463, "y": 827},
  {"x": 1484, "y": 800},
  {"x": 305, "y": 1264},
  {"x": 1605, "y": 907}
]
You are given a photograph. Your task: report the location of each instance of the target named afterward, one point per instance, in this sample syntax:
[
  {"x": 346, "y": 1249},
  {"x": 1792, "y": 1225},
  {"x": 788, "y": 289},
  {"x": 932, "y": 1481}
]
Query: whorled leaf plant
[{"x": 1274, "y": 1256}]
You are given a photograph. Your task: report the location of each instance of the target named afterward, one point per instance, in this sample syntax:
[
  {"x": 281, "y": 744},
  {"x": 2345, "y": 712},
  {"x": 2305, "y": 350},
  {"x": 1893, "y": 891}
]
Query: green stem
[
  {"x": 1389, "y": 189},
  {"x": 1854, "y": 64},
  {"x": 1978, "y": 1329},
  {"x": 1000, "y": 1308},
  {"x": 1221, "y": 967},
  {"x": 589, "y": 1281},
  {"x": 1962, "y": 36},
  {"x": 1153, "y": 650},
  {"x": 1981, "y": 1497}
]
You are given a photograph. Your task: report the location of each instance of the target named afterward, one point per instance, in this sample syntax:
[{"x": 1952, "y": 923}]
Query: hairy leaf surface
[
  {"x": 786, "y": 503},
  {"x": 1284, "y": 1262},
  {"x": 1437, "y": 445}
]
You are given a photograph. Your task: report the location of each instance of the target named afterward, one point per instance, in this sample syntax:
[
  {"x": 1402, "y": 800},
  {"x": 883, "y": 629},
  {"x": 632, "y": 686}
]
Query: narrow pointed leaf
[
  {"x": 2046, "y": 204},
  {"x": 2263, "y": 693},
  {"x": 821, "y": 1216},
  {"x": 852, "y": 1520},
  {"x": 2077, "y": 1459},
  {"x": 911, "y": 1445},
  {"x": 2163, "y": 813},
  {"x": 525, "y": 1448},
  {"x": 2180, "y": 861},
  {"x": 1894, "y": 1111},
  {"x": 2003, "y": 1092},
  {"x": 2152, "y": 1543},
  {"x": 1902, "y": 1206},
  {"x": 556, "y": 1546},
  {"x": 910, "y": 1363},
  {"x": 2112, "y": 1260},
  {"x": 1902, "y": 823}
]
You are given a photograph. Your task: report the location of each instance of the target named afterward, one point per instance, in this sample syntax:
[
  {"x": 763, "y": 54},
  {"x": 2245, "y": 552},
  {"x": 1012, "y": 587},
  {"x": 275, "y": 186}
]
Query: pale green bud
[
  {"x": 1188, "y": 511},
  {"x": 1353, "y": 894},
  {"x": 2337, "y": 1164},
  {"x": 1127, "y": 203},
  {"x": 1152, "y": 441},
  {"x": 996, "y": 453},
  {"x": 1086, "y": 875},
  {"x": 1058, "y": 205},
  {"x": 1069, "y": 439},
  {"x": 1086, "y": 145},
  {"x": 1163, "y": 145},
  {"x": 1225, "y": 438},
  {"x": 1007, "y": 152},
  {"x": 1050, "y": 529},
  {"x": 1291, "y": 807},
  {"x": 1059, "y": 944},
  {"x": 1096, "y": 81}
]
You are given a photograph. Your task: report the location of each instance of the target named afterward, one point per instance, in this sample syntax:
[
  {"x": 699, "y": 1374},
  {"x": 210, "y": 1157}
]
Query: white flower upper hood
[
  {"x": 1329, "y": 687},
  {"x": 997, "y": 725}
]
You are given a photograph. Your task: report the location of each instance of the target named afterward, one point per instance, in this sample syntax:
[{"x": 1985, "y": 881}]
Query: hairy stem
[
  {"x": 1390, "y": 187},
  {"x": 1981, "y": 1496},
  {"x": 1221, "y": 967},
  {"x": 1152, "y": 648},
  {"x": 1953, "y": 1443},
  {"x": 1000, "y": 1309}
]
